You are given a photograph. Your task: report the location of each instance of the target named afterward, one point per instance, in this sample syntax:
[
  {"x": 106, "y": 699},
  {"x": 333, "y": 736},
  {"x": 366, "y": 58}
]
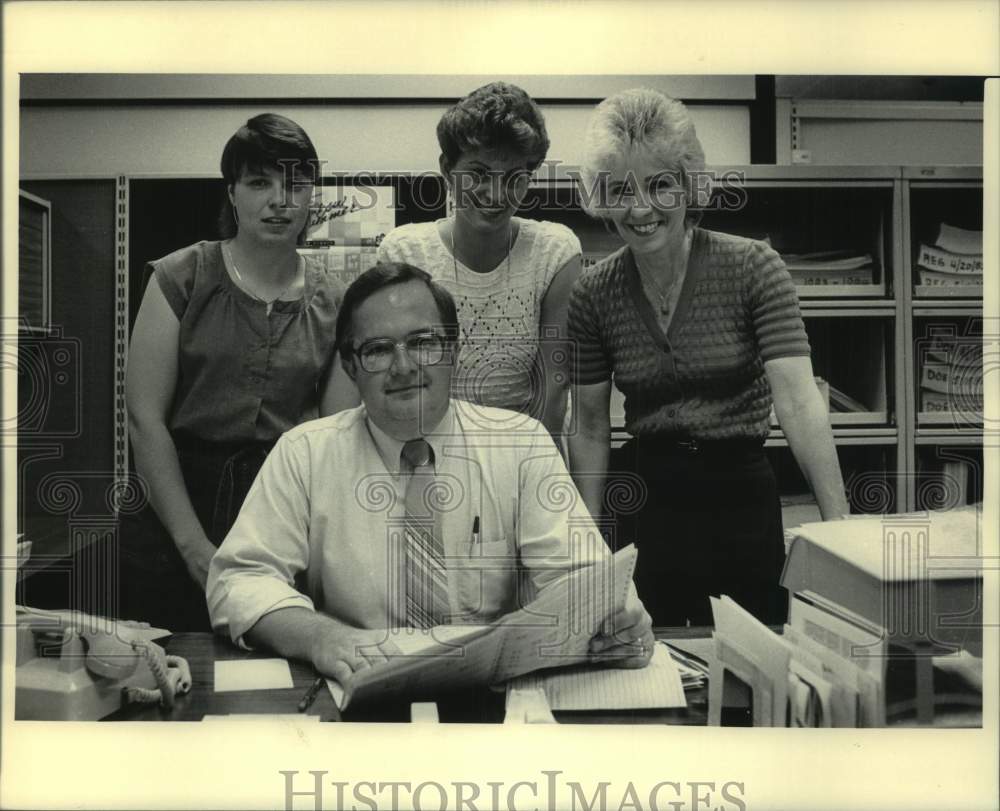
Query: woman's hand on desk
[
  {"x": 340, "y": 650},
  {"x": 627, "y": 639}
]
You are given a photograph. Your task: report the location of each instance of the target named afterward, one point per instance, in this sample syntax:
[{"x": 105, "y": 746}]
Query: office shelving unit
[
  {"x": 947, "y": 457},
  {"x": 866, "y": 338}
]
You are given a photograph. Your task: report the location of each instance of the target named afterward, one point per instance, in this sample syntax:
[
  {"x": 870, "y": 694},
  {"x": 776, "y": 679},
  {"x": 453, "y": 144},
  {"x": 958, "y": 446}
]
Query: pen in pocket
[{"x": 476, "y": 537}]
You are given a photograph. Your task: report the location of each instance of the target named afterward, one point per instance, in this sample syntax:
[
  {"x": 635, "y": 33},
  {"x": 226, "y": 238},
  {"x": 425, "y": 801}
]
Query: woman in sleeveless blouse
[{"x": 233, "y": 345}]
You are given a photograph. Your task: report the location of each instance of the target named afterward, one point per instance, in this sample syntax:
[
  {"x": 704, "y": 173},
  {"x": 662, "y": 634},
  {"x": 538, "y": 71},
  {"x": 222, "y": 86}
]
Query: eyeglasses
[{"x": 423, "y": 348}]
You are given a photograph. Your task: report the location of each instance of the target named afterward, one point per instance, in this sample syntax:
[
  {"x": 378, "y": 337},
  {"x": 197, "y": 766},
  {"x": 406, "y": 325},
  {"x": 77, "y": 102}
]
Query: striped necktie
[{"x": 426, "y": 575}]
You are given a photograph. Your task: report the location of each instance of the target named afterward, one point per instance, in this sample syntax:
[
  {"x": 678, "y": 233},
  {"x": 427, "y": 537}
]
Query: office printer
[{"x": 911, "y": 583}]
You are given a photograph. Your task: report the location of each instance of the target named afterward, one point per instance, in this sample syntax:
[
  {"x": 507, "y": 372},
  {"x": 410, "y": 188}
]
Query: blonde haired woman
[{"x": 702, "y": 333}]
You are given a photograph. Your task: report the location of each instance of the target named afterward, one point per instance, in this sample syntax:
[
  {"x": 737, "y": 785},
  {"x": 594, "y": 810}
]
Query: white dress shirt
[{"x": 321, "y": 527}]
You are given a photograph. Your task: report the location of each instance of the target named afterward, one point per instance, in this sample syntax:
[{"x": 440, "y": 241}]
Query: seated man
[{"x": 411, "y": 510}]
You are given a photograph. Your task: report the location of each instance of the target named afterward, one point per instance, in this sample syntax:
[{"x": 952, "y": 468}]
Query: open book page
[
  {"x": 585, "y": 687},
  {"x": 428, "y": 661},
  {"x": 336, "y": 692},
  {"x": 417, "y": 641},
  {"x": 553, "y": 630}
]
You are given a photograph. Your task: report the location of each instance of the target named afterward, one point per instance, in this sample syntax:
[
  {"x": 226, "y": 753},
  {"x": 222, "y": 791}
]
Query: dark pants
[
  {"x": 710, "y": 524},
  {"x": 155, "y": 584}
]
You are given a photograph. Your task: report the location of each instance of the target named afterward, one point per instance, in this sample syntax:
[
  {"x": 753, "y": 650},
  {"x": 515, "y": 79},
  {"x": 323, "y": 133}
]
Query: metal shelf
[
  {"x": 945, "y": 436},
  {"x": 828, "y": 309},
  {"x": 823, "y": 175},
  {"x": 844, "y": 436},
  {"x": 883, "y": 304},
  {"x": 924, "y": 307},
  {"x": 940, "y": 173},
  {"x": 901, "y": 309}
]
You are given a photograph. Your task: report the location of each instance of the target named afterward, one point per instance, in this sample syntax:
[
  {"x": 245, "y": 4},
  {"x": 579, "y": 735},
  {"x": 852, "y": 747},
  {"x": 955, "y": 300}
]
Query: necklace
[
  {"x": 665, "y": 296},
  {"x": 269, "y": 303},
  {"x": 667, "y": 299},
  {"x": 510, "y": 244}
]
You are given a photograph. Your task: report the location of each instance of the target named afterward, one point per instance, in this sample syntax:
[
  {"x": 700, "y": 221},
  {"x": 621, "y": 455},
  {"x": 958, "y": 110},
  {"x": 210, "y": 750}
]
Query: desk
[{"x": 480, "y": 705}]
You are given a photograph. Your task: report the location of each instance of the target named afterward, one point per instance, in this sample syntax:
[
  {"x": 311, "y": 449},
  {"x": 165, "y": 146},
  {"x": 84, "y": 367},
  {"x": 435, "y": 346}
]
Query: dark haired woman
[
  {"x": 232, "y": 346},
  {"x": 510, "y": 276}
]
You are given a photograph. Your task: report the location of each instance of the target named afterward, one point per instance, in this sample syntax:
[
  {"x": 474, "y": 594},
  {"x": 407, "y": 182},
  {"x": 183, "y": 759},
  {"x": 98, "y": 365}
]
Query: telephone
[{"x": 74, "y": 667}]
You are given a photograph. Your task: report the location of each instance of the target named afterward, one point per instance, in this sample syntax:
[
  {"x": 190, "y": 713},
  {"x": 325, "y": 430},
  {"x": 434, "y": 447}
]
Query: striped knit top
[{"x": 705, "y": 378}]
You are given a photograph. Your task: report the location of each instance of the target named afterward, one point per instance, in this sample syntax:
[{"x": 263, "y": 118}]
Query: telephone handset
[
  {"x": 75, "y": 667},
  {"x": 109, "y": 656}
]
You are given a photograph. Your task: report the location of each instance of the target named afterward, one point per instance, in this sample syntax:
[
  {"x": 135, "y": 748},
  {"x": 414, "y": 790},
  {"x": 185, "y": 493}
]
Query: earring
[{"x": 236, "y": 216}]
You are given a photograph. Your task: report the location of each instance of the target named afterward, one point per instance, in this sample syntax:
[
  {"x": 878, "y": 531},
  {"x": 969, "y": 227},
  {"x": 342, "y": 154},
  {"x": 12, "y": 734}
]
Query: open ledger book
[
  {"x": 656, "y": 686},
  {"x": 551, "y": 631}
]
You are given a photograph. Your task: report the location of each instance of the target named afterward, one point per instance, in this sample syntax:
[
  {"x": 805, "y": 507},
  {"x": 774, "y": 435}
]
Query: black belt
[
  {"x": 224, "y": 472},
  {"x": 680, "y": 444},
  {"x": 219, "y": 450}
]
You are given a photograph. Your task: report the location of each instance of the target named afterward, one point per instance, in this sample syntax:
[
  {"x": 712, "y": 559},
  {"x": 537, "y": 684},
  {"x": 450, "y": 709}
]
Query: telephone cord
[{"x": 172, "y": 674}]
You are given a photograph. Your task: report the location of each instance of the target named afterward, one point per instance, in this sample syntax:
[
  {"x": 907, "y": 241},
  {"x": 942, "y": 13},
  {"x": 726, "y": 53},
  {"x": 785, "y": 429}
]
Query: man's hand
[
  {"x": 626, "y": 640},
  {"x": 340, "y": 651}
]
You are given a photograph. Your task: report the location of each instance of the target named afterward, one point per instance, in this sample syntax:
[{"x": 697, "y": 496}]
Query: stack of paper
[
  {"x": 840, "y": 267},
  {"x": 293, "y": 719},
  {"x": 791, "y": 683},
  {"x": 586, "y": 687},
  {"x": 951, "y": 375},
  {"x": 956, "y": 258},
  {"x": 693, "y": 671},
  {"x": 252, "y": 674},
  {"x": 843, "y": 403}
]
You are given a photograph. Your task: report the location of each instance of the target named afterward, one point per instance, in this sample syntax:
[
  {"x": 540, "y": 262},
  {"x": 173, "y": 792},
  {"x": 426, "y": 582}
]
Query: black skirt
[
  {"x": 706, "y": 521},
  {"x": 155, "y": 584}
]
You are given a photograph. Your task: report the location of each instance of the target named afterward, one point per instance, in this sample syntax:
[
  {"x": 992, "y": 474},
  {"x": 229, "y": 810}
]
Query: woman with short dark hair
[
  {"x": 232, "y": 346},
  {"x": 510, "y": 275}
]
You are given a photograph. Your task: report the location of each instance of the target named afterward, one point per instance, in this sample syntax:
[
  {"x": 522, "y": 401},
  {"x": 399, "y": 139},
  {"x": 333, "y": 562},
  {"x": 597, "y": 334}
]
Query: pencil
[{"x": 311, "y": 694}]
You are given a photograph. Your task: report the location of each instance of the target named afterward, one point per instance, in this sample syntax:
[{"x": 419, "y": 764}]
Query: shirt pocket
[{"x": 486, "y": 581}]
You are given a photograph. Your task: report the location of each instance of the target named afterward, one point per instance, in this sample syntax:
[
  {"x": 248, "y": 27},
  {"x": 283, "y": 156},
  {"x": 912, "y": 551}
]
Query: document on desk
[
  {"x": 294, "y": 719},
  {"x": 756, "y": 655},
  {"x": 585, "y": 687},
  {"x": 553, "y": 630},
  {"x": 252, "y": 674},
  {"x": 857, "y": 694}
]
